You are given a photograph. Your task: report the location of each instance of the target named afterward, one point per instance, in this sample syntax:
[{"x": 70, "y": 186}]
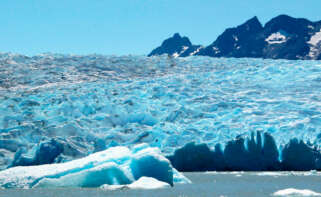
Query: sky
[{"x": 121, "y": 27}]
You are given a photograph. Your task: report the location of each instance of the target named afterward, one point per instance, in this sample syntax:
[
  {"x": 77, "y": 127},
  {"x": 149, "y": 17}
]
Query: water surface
[{"x": 238, "y": 184}]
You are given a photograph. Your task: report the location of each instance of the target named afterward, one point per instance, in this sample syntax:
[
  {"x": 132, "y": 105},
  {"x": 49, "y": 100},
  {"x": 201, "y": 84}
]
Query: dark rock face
[
  {"x": 176, "y": 46},
  {"x": 297, "y": 33},
  {"x": 283, "y": 37},
  {"x": 245, "y": 40}
]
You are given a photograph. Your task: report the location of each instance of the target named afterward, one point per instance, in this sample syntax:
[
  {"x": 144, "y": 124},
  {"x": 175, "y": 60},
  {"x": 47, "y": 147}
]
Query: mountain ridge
[{"x": 283, "y": 37}]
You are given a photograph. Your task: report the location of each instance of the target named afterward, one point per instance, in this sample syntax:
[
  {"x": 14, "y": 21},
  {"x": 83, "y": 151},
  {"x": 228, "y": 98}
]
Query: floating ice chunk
[
  {"x": 148, "y": 183},
  {"x": 296, "y": 192},
  {"x": 271, "y": 174},
  {"x": 141, "y": 183},
  {"x": 108, "y": 173},
  {"x": 114, "y": 166}
]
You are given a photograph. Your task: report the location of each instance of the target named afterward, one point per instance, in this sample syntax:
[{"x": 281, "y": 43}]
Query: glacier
[
  {"x": 255, "y": 153},
  {"x": 241, "y": 114},
  {"x": 114, "y": 166}
]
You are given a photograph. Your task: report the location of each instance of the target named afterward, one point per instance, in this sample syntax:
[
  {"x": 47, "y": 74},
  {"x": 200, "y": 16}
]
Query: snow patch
[
  {"x": 277, "y": 38},
  {"x": 296, "y": 192},
  {"x": 315, "y": 42},
  {"x": 184, "y": 48},
  {"x": 216, "y": 50},
  {"x": 175, "y": 55},
  {"x": 196, "y": 51},
  {"x": 235, "y": 38},
  {"x": 315, "y": 39}
]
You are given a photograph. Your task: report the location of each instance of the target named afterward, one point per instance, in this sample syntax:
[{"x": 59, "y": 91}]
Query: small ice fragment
[{"x": 296, "y": 192}]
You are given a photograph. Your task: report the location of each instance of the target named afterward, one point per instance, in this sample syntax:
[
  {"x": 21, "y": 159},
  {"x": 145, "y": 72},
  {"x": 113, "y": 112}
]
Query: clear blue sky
[{"x": 129, "y": 26}]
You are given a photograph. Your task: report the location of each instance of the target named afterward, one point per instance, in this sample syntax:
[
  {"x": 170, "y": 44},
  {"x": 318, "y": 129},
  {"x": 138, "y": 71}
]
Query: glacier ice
[
  {"x": 66, "y": 107},
  {"x": 114, "y": 166},
  {"x": 197, "y": 157},
  {"x": 141, "y": 183},
  {"x": 295, "y": 192},
  {"x": 44, "y": 153},
  {"x": 255, "y": 153},
  {"x": 297, "y": 155}
]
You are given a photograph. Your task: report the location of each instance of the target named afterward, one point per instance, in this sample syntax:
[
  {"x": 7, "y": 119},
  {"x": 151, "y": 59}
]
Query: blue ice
[
  {"x": 114, "y": 166},
  {"x": 69, "y": 106}
]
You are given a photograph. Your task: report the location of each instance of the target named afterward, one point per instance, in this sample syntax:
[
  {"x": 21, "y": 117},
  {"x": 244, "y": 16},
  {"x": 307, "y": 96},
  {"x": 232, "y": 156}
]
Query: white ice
[
  {"x": 114, "y": 166},
  {"x": 296, "y": 192},
  {"x": 142, "y": 183}
]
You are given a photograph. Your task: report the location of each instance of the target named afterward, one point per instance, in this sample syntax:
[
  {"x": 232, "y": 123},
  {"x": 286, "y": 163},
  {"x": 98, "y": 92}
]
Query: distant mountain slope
[
  {"x": 176, "y": 46},
  {"x": 242, "y": 41},
  {"x": 283, "y": 37}
]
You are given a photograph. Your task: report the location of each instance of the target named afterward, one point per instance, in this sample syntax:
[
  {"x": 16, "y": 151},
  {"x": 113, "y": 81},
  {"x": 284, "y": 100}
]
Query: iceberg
[
  {"x": 114, "y": 166},
  {"x": 141, "y": 183}
]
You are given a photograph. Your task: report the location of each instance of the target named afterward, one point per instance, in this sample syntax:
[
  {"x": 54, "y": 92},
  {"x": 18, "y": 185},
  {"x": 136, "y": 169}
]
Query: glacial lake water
[{"x": 229, "y": 184}]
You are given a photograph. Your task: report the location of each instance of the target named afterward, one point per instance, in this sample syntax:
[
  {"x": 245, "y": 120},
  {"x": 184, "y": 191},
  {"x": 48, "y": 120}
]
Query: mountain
[
  {"x": 242, "y": 41},
  {"x": 289, "y": 38},
  {"x": 283, "y": 37},
  {"x": 176, "y": 46}
]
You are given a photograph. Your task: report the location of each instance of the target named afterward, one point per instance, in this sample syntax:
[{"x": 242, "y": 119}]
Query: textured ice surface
[
  {"x": 114, "y": 166},
  {"x": 69, "y": 106}
]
